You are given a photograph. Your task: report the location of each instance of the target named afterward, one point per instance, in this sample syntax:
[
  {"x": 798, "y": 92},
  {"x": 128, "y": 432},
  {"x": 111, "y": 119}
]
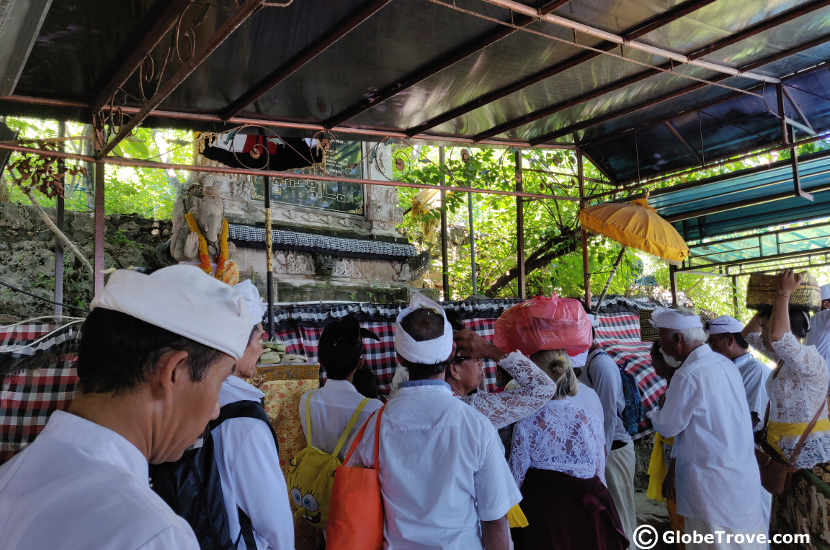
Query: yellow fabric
[
  {"x": 657, "y": 467},
  {"x": 777, "y": 430},
  {"x": 204, "y": 257},
  {"x": 516, "y": 518},
  {"x": 638, "y": 225},
  {"x": 282, "y": 403},
  {"x": 309, "y": 475}
]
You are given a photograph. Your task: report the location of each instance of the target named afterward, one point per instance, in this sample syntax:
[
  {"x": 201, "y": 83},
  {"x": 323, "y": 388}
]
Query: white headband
[
  {"x": 825, "y": 292},
  {"x": 425, "y": 352},
  {"x": 724, "y": 324},
  {"x": 674, "y": 320},
  {"x": 249, "y": 295}
]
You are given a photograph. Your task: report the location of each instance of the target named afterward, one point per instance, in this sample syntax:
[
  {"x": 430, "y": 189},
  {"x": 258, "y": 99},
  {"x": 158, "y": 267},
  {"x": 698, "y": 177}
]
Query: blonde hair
[{"x": 557, "y": 365}]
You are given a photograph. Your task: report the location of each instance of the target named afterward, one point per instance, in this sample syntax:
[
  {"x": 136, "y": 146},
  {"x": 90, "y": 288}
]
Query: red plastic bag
[{"x": 543, "y": 323}]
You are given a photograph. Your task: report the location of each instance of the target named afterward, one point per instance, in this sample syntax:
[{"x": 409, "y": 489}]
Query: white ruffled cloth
[
  {"x": 796, "y": 394},
  {"x": 566, "y": 436},
  {"x": 535, "y": 389}
]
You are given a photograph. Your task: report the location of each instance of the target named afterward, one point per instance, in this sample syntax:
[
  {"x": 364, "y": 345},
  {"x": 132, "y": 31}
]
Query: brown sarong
[{"x": 567, "y": 513}]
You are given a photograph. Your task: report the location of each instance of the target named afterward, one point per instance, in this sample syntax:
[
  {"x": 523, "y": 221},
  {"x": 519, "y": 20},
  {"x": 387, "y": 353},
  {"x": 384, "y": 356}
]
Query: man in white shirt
[
  {"x": 340, "y": 352},
  {"x": 153, "y": 353},
  {"x": 248, "y": 463},
  {"x": 444, "y": 479},
  {"x": 706, "y": 412},
  {"x": 819, "y": 332},
  {"x": 601, "y": 373}
]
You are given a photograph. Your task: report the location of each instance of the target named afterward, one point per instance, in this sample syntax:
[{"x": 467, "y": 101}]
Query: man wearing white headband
[
  {"x": 600, "y": 373},
  {"x": 153, "y": 353},
  {"x": 706, "y": 412},
  {"x": 253, "y": 485},
  {"x": 445, "y": 482},
  {"x": 725, "y": 338}
]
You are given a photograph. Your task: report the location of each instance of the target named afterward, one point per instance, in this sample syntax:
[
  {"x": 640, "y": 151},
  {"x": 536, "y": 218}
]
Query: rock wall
[{"x": 27, "y": 258}]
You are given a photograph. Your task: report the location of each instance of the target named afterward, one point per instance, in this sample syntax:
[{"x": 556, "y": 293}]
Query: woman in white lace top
[
  {"x": 798, "y": 386},
  {"x": 797, "y": 389},
  {"x": 558, "y": 459}
]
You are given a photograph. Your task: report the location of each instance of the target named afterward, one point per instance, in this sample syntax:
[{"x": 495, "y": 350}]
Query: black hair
[
  {"x": 455, "y": 320},
  {"x": 366, "y": 383},
  {"x": 340, "y": 347},
  {"x": 424, "y": 324},
  {"x": 799, "y": 319},
  {"x": 118, "y": 351}
]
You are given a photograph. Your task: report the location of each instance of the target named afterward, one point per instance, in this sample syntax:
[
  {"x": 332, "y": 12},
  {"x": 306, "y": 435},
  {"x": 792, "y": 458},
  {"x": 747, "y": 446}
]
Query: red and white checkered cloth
[{"x": 39, "y": 384}]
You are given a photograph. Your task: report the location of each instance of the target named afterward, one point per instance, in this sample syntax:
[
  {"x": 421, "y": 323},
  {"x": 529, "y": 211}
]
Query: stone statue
[{"x": 200, "y": 230}]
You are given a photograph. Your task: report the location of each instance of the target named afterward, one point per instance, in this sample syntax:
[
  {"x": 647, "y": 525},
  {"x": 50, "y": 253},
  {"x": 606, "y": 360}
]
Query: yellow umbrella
[
  {"x": 634, "y": 224},
  {"x": 638, "y": 225}
]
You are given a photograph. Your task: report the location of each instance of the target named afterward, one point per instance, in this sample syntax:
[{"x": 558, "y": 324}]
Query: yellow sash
[
  {"x": 516, "y": 518},
  {"x": 657, "y": 467},
  {"x": 777, "y": 430}
]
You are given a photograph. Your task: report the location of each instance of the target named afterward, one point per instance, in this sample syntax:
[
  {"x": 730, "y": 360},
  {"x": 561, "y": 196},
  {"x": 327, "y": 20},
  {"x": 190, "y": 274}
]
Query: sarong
[
  {"x": 805, "y": 508},
  {"x": 567, "y": 513}
]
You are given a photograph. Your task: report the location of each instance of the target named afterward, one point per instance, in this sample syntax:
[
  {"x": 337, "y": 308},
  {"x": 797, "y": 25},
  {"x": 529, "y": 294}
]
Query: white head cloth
[
  {"x": 674, "y": 320},
  {"x": 725, "y": 324},
  {"x": 579, "y": 360},
  {"x": 426, "y": 352},
  {"x": 825, "y": 292},
  {"x": 253, "y": 301},
  {"x": 184, "y": 300}
]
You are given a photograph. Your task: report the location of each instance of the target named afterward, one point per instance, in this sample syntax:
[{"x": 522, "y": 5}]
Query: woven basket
[
  {"x": 762, "y": 287},
  {"x": 647, "y": 331}
]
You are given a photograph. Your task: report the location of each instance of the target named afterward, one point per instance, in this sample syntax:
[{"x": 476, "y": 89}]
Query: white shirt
[
  {"x": 565, "y": 436},
  {"x": 796, "y": 393},
  {"x": 535, "y": 389},
  {"x": 707, "y": 414},
  {"x": 819, "y": 335},
  {"x": 602, "y": 374},
  {"x": 442, "y": 469},
  {"x": 331, "y": 408},
  {"x": 81, "y": 485},
  {"x": 249, "y": 469},
  {"x": 754, "y": 374}
]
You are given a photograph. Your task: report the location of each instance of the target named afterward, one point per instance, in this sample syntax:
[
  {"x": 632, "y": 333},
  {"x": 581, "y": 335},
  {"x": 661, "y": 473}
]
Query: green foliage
[{"x": 149, "y": 193}]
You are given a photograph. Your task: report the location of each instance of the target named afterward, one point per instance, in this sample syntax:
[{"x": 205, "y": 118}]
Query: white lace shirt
[
  {"x": 796, "y": 394},
  {"x": 566, "y": 436},
  {"x": 534, "y": 391}
]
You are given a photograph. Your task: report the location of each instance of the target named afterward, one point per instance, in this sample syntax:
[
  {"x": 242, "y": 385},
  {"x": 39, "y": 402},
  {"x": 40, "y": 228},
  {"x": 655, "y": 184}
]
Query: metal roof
[{"x": 642, "y": 88}]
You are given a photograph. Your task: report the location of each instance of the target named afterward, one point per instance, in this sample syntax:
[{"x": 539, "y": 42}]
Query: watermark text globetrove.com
[{"x": 646, "y": 537}]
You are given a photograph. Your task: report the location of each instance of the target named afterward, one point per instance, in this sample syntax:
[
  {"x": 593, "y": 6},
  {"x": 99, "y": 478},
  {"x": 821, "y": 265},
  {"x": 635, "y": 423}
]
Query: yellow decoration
[
  {"x": 638, "y": 225},
  {"x": 777, "y": 430},
  {"x": 516, "y": 518},
  {"x": 226, "y": 270},
  {"x": 657, "y": 467}
]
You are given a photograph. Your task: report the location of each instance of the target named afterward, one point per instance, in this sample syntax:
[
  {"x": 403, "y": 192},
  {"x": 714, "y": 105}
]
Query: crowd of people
[{"x": 545, "y": 463}]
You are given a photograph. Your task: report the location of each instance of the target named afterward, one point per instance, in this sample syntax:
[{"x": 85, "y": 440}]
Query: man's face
[
  {"x": 825, "y": 304},
  {"x": 191, "y": 405},
  {"x": 246, "y": 366},
  {"x": 470, "y": 373},
  {"x": 669, "y": 343},
  {"x": 719, "y": 344}
]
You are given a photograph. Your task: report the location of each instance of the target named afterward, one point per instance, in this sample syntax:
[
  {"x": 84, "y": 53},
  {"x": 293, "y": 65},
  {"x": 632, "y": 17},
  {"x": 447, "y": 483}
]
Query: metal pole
[
  {"x": 58, "y": 243},
  {"x": 520, "y": 227},
  {"x": 445, "y": 272},
  {"x": 673, "y": 280},
  {"x": 472, "y": 229},
  {"x": 735, "y": 296},
  {"x": 99, "y": 141},
  {"x": 269, "y": 269},
  {"x": 610, "y": 277},
  {"x": 586, "y": 273}
]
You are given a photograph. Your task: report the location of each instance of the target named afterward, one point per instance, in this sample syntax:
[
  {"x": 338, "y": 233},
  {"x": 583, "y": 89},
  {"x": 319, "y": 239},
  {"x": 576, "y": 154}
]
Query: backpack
[
  {"x": 633, "y": 411},
  {"x": 192, "y": 488},
  {"x": 310, "y": 474}
]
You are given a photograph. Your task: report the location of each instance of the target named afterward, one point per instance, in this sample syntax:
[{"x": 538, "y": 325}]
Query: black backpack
[
  {"x": 633, "y": 411},
  {"x": 192, "y": 488}
]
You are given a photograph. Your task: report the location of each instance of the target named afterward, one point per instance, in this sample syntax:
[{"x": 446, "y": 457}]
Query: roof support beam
[
  {"x": 683, "y": 141},
  {"x": 691, "y": 58},
  {"x": 298, "y": 61},
  {"x": 437, "y": 65},
  {"x": 675, "y": 94},
  {"x": 162, "y": 24},
  {"x": 634, "y": 32},
  {"x": 239, "y": 16},
  {"x": 808, "y": 127}
]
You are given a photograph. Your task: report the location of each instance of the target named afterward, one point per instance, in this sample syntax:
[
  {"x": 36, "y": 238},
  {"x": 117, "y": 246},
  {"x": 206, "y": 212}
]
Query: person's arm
[
  {"x": 502, "y": 409},
  {"x": 607, "y": 382},
  {"x": 682, "y": 399},
  {"x": 262, "y": 491},
  {"x": 496, "y": 534},
  {"x": 753, "y": 326},
  {"x": 496, "y": 490},
  {"x": 786, "y": 283}
]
